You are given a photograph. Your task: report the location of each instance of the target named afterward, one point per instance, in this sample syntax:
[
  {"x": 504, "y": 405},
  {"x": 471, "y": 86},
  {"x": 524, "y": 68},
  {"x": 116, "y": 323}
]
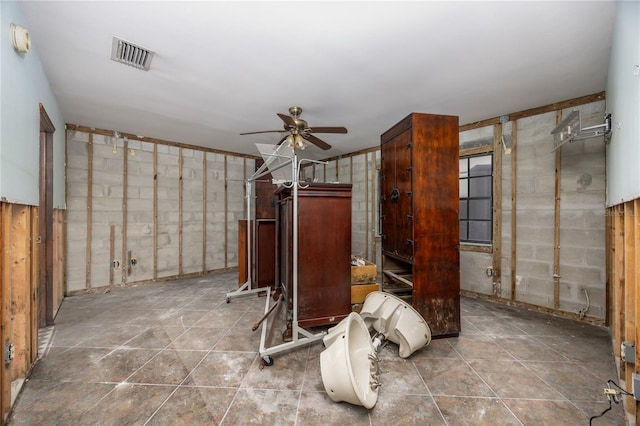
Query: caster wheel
[
  {"x": 268, "y": 361},
  {"x": 228, "y": 299}
]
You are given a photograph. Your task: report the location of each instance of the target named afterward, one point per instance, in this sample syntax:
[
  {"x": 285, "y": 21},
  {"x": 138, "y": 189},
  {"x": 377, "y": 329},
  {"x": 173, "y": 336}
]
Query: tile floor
[{"x": 176, "y": 353}]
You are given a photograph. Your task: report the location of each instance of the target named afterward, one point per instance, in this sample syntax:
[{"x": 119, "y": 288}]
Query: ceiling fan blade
[
  {"x": 289, "y": 121},
  {"x": 263, "y": 131},
  {"x": 327, "y": 130},
  {"x": 317, "y": 141}
]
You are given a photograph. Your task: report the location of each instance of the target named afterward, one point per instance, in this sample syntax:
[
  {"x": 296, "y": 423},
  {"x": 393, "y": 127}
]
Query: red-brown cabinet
[
  {"x": 324, "y": 252},
  {"x": 419, "y": 202},
  {"x": 259, "y": 260}
]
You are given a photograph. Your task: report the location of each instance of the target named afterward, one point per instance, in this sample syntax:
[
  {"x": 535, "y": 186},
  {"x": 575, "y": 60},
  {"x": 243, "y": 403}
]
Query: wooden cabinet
[
  {"x": 324, "y": 252},
  {"x": 419, "y": 217},
  {"x": 261, "y": 259},
  {"x": 266, "y": 199}
]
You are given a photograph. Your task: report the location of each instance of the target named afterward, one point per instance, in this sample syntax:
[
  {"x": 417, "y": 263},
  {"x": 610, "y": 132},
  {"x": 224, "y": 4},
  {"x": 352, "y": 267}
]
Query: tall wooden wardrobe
[
  {"x": 260, "y": 234},
  {"x": 419, "y": 216}
]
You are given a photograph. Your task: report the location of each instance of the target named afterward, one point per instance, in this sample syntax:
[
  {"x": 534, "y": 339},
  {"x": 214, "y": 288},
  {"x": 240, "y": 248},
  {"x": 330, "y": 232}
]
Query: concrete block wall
[
  {"x": 196, "y": 231},
  {"x": 330, "y": 172},
  {"x": 473, "y": 265},
  {"x": 76, "y": 214},
  {"x": 238, "y": 170},
  {"x": 192, "y": 210},
  {"x": 359, "y": 205},
  {"x": 216, "y": 254},
  {"x": 168, "y": 178},
  {"x": 535, "y": 210},
  {"x": 359, "y": 170},
  {"x": 582, "y": 250},
  {"x": 503, "y": 287},
  {"x": 106, "y": 208},
  {"x": 582, "y": 219},
  {"x": 139, "y": 215}
]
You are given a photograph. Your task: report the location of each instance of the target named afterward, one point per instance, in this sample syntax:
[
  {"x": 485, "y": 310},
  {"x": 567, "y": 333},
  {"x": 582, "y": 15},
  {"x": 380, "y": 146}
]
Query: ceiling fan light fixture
[
  {"x": 296, "y": 141},
  {"x": 299, "y": 142},
  {"x": 300, "y": 134}
]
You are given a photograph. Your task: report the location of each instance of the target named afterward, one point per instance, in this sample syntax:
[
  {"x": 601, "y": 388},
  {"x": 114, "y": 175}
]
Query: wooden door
[
  {"x": 324, "y": 254},
  {"x": 397, "y": 196}
]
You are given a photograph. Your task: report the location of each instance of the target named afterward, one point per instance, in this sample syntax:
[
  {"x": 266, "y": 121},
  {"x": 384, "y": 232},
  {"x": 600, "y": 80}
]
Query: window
[{"x": 476, "y": 199}]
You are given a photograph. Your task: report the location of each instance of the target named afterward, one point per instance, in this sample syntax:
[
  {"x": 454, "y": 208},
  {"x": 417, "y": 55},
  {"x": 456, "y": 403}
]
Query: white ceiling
[{"x": 222, "y": 68}]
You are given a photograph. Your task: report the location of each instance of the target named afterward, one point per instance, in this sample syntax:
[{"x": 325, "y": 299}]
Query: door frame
[{"x": 45, "y": 222}]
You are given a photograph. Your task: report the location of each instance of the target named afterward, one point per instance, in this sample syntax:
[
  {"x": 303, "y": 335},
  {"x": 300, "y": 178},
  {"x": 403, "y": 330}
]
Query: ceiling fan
[{"x": 299, "y": 131}]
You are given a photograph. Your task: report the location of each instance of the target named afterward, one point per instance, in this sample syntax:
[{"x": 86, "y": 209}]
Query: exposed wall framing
[
  {"x": 125, "y": 179},
  {"x": 541, "y": 203},
  {"x": 158, "y": 211},
  {"x": 89, "y": 209},
  {"x": 180, "y": 204},
  {"x": 19, "y": 275},
  {"x": 219, "y": 212},
  {"x": 496, "y": 263},
  {"x": 514, "y": 211},
  {"x": 556, "y": 223},
  {"x": 204, "y": 213},
  {"x": 155, "y": 212},
  {"x": 226, "y": 215},
  {"x": 624, "y": 239}
]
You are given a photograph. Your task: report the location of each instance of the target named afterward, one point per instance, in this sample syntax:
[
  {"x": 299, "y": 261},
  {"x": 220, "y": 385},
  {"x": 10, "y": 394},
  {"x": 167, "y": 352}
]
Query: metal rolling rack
[{"x": 300, "y": 336}]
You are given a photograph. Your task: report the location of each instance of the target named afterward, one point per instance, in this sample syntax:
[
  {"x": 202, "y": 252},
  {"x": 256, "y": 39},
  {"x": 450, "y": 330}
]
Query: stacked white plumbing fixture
[{"x": 349, "y": 363}]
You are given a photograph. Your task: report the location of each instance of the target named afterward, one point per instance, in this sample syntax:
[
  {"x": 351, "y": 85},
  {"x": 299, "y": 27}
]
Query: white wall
[
  {"x": 24, "y": 86},
  {"x": 623, "y": 102}
]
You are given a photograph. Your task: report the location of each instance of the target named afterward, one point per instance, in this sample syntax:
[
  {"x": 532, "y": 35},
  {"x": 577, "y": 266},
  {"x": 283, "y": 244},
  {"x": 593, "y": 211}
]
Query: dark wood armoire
[
  {"x": 419, "y": 202},
  {"x": 260, "y": 234},
  {"x": 324, "y": 252}
]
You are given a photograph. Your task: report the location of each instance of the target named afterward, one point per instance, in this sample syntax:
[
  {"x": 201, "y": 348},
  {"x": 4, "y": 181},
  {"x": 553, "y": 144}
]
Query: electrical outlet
[{"x": 9, "y": 353}]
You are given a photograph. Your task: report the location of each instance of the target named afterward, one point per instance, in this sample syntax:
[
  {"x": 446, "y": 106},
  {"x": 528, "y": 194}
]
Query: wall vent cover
[{"x": 130, "y": 54}]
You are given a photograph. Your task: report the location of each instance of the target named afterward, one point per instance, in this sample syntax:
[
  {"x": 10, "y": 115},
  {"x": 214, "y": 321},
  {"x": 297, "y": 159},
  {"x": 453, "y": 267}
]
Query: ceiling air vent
[{"x": 130, "y": 54}]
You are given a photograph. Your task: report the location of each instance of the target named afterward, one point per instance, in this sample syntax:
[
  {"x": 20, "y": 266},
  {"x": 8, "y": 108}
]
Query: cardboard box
[
  {"x": 359, "y": 292},
  {"x": 366, "y": 274}
]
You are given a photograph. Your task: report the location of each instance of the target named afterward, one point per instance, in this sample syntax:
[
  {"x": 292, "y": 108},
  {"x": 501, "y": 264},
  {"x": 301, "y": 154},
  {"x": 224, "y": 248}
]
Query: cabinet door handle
[
  {"x": 410, "y": 242},
  {"x": 409, "y": 217},
  {"x": 409, "y": 169}
]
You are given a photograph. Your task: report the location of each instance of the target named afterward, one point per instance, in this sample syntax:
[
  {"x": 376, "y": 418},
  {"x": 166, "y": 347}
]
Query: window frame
[{"x": 478, "y": 245}]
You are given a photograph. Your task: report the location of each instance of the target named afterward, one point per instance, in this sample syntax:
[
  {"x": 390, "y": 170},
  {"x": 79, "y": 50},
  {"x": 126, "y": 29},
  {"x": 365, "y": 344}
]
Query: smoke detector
[{"x": 131, "y": 54}]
